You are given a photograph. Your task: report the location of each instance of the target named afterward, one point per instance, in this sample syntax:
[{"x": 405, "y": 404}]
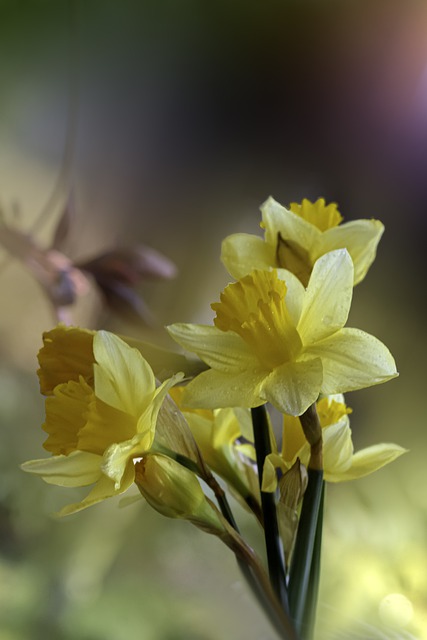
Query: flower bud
[{"x": 175, "y": 492}]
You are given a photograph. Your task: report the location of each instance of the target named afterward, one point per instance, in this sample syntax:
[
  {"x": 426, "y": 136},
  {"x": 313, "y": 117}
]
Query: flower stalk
[
  {"x": 305, "y": 566},
  {"x": 275, "y": 559}
]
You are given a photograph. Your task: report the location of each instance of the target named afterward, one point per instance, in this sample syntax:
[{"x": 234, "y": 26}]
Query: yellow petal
[
  {"x": 76, "y": 470},
  {"x": 353, "y": 359},
  {"x": 269, "y": 476},
  {"x": 360, "y": 238},
  {"x": 294, "y": 386},
  {"x": 66, "y": 415},
  {"x": 279, "y": 220},
  {"x": 293, "y": 438},
  {"x": 104, "y": 426},
  {"x": 369, "y": 460},
  {"x": 123, "y": 379},
  {"x": 295, "y": 294},
  {"x": 120, "y": 452},
  {"x": 222, "y": 350},
  {"x": 119, "y": 455},
  {"x": 328, "y": 297},
  {"x": 242, "y": 252},
  {"x": 337, "y": 449},
  {"x": 66, "y": 355},
  {"x": 102, "y": 490},
  {"x": 226, "y": 428},
  {"x": 215, "y": 389}
]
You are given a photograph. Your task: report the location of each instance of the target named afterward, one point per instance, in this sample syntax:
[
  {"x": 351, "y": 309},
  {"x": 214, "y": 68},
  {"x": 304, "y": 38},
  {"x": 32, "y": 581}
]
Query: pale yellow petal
[
  {"x": 277, "y": 219},
  {"x": 360, "y": 238},
  {"x": 102, "y": 490},
  {"x": 123, "y": 379},
  {"x": 215, "y": 389},
  {"x": 75, "y": 470},
  {"x": 295, "y": 294},
  {"x": 148, "y": 418},
  {"x": 104, "y": 426},
  {"x": 201, "y": 428},
  {"x": 369, "y": 460},
  {"x": 328, "y": 297},
  {"x": 244, "y": 418},
  {"x": 293, "y": 437},
  {"x": 120, "y": 454},
  {"x": 337, "y": 449},
  {"x": 221, "y": 350},
  {"x": 243, "y": 252},
  {"x": 269, "y": 476},
  {"x": 293, "y": 386},
  {"x": 226, "y": 428},
  {"x": 353, "y": 359}
]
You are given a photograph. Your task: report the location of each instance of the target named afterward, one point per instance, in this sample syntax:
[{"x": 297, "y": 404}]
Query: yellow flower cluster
[{"x": 279, "y": 336}]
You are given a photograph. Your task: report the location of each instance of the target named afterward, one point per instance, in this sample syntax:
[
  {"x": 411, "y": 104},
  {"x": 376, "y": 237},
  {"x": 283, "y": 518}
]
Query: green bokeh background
[{"x": 183, "y": 118}]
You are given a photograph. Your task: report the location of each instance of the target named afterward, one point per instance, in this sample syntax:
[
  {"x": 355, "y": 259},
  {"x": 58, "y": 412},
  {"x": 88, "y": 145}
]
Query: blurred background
[{"x": 170, "y": 123}]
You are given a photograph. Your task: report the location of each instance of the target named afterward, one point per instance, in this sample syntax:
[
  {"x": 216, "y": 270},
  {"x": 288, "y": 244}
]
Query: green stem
[
  {"x": 275, "y": 560},
  {"x": 283, "y": 622},
  {"x": 303, "y": 554},
  {"x": 256, "y": 580},
  {"x": 246, "y": 561},
  {"x": 313, "y": 588}
]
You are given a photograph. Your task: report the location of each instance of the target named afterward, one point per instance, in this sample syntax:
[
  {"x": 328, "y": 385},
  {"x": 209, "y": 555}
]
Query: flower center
[
  {"x": 330, "y": 412},
  {"x": 318, "y": 213},
  {"x": 255, "y": 308}
]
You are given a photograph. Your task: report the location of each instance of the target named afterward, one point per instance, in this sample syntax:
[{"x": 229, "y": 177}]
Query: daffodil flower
[
  {"x": 296, "y": 237},
  {"x": 95, "y": 431},
  {"x": 67, "y": 354},
  {"x": 275, "y": 341},
  {"x": 224, "y": 438},
  {"x": 339, "y": 460}
]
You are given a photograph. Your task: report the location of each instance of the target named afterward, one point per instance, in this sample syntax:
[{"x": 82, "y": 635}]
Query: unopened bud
[{"x": 175, "y": 492}]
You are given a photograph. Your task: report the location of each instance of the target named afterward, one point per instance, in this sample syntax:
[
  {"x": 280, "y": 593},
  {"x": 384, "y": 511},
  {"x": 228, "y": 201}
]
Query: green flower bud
[{"x": 175, "y": 492}]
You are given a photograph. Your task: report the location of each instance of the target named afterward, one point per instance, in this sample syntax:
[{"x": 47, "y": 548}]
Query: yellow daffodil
[
  {"x": 275, "y": 341},
  {"x": 223, "y": 437},
  {"x": 296, "y": 237},
  {"x": 339, "y": 460},
  {"x": 100, "y": 421},
  {"x": 67, "y": 354}
]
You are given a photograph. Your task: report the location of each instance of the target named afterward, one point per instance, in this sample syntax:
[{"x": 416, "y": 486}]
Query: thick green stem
[
  {"x": 275, "y": 559},
  {"x": 254, "y": 576},
  {"x": 304, "y": 552},
  {"x": 313, "y": 587}
]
